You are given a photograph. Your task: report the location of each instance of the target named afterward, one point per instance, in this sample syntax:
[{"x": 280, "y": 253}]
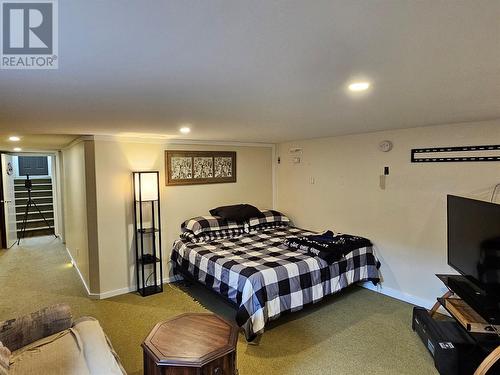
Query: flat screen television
[{"x": 474, "y": 241}]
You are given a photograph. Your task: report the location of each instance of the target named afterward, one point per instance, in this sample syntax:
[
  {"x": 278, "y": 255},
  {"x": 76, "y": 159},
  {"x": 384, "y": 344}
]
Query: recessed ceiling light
[
  {"x": 14, "y": 138},
  {"x": 18, "y": 149},
  {"x": 185, "y": 130},
  {"x": 359, "y": 86}
]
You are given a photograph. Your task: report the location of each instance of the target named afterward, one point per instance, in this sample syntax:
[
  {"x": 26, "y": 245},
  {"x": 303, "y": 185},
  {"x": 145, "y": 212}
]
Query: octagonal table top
[{"x": 191, "y": 339}]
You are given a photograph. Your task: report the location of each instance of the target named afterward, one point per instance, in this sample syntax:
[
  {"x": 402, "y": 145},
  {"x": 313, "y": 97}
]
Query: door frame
[
  {"x": 54, "y": 161},
  {"x": 6, "y": 241},
  {"x": 3, "y": 226}
]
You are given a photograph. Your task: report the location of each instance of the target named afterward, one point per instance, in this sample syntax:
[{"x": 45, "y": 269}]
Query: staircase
[{"x": 42, "y": 196}]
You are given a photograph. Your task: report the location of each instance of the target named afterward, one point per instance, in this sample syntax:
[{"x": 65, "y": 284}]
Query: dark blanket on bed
[{"x": 327, "y": 246}]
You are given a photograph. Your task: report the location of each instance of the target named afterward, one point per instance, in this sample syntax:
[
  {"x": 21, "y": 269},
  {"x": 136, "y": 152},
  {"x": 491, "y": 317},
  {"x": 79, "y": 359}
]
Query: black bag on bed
[{"x": 327, "y": 246}]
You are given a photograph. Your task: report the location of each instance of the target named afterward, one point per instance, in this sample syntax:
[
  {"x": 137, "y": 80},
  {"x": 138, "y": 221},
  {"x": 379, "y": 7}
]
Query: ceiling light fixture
[
  {"x": 17, "y": 149},
  {"x": 185, "y": 130},
  {"x": 14, "y": 138},
  {"x": 359, "y": 86}
]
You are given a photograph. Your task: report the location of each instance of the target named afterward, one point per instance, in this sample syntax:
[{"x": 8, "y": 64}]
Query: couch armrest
[
  {"x": 19, "y": 332},
  {"x": 4, "y": 359}
]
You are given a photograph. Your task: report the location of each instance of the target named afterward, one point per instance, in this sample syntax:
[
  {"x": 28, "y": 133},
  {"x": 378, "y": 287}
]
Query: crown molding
[
  {"x": 33, "y": 152},
  {"x": 78, "y": 140},
  {"x": 173, "y": 141}
]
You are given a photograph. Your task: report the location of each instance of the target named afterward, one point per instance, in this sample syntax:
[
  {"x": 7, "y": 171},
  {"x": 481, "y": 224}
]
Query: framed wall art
[{"x": 199, "y": 167}]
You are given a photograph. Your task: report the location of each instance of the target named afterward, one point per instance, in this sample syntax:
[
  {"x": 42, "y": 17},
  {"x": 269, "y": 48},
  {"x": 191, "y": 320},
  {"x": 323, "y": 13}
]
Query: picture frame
[{"x": 199, "y": 167}]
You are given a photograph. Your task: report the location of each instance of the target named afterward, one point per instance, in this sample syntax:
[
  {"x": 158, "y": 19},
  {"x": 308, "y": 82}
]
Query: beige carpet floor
[{"x": 355, "y": 332}]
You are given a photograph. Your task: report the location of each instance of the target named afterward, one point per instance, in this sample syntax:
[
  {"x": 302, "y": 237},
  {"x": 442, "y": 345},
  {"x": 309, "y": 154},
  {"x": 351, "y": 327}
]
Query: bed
[{"x": 264, "y": 279}]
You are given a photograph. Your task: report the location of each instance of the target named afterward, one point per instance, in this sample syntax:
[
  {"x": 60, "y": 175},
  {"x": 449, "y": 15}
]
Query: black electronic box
[{"x": 454, "y": 351}]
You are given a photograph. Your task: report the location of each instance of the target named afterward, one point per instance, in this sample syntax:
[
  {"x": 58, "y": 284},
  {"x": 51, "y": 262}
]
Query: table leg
[{"x": 437, "y": 304}]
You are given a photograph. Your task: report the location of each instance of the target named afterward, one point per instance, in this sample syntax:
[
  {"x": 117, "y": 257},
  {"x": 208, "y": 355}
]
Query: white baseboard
[
  {"x": 75, "y": 265},
  {"x": 397, "y": 294},
  {"x": 116, "y": 292},
  {"x": 133, "y": 288}
]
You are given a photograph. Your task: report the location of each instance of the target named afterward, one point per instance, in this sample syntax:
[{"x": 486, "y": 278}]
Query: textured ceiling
[{"x": 260, "y": 70}]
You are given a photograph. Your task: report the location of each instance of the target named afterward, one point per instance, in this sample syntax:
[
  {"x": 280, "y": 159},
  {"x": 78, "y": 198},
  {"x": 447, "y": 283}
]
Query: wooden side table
[{"x": 191, "y": 344}]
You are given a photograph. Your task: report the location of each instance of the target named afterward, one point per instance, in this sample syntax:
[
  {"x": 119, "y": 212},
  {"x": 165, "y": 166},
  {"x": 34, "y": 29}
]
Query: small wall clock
[{"x": 385, "y": 146}]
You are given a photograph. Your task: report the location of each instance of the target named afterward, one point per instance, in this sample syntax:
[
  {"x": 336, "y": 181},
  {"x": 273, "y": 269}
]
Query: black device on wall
[
  {"x": 474, "y": 251},
  {"x": 147, "y": 231}
]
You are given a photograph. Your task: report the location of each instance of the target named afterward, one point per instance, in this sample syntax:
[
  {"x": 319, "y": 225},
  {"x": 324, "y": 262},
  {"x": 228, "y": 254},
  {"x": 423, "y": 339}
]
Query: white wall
[
  {"x": 407, "y": 220},
  {"x": 75, "y": 207},
  {"x": 115, "y": 162},
  {"x": 80, "y": 220}
]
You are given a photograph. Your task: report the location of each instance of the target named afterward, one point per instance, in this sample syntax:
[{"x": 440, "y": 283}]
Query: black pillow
[{"x": 236, "y": 212}]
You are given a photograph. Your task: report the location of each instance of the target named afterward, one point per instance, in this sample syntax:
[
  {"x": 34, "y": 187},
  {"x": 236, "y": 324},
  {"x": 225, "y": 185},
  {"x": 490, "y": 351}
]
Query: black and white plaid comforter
[{"x": 265, "y": 279}]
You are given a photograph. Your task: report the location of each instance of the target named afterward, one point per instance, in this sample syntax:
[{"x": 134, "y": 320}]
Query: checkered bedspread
[{"x": 265, "y": 279}]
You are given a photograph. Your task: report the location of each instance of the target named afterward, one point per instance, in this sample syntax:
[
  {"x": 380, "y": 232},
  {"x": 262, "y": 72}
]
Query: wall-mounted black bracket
[{"x": 456, "y": 154}]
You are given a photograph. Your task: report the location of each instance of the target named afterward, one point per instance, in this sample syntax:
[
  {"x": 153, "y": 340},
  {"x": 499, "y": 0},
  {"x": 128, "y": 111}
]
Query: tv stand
[
  {"x": 460, "y": 283},
  {"x": 477, "y": 298},
  {"x": 465, "y": 315}
]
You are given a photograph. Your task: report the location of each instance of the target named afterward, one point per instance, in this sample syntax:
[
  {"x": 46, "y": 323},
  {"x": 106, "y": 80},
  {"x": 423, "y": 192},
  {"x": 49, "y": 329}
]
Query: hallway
[{"x": 37, "y": 273}]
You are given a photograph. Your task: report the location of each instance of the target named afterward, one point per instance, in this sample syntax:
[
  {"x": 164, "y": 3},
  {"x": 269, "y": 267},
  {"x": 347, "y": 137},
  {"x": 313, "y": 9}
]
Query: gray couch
[{"x": 49, "y": 342}]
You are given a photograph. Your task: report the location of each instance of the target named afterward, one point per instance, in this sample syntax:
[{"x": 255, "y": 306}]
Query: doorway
[{"x": 29, "y": 197}]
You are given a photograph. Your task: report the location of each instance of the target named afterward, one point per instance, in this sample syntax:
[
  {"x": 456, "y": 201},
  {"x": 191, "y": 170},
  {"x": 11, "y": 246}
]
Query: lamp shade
[{"x": 146, "y": 186}]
